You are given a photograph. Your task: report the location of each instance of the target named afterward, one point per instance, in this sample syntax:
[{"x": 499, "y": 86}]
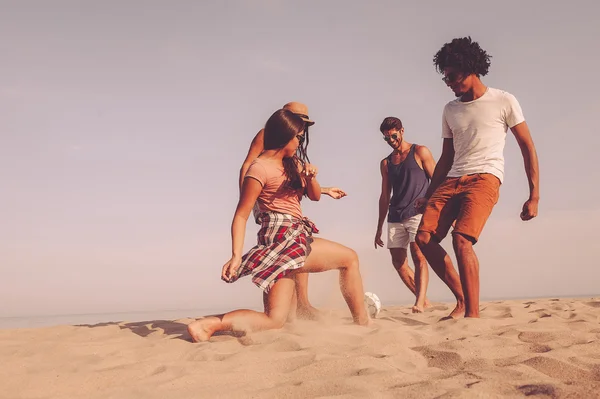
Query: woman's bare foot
[
  {"x": 308, "y": 313},
  {"x": 201, "y": 330}
]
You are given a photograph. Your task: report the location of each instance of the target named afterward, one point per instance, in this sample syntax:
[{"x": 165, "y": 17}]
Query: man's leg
[
  {"x": 400, "y": 262},
  {"x": 397, "y": 243},
  {"x": 479, "y": 195},
  {"x": 304, "y": 310},
  {"x": 441, "y": 264},
  {"x": 421, "y": 268},
  {"x": 440, "y": 212},
  {"x": 421, "y": 278},
  {"x": 468, "y": 266}
]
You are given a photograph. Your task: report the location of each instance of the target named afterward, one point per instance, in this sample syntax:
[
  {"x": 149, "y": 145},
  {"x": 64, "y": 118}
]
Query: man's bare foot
[
  {"x": 364, "y": 321},
  {"x": 308, "y": 313},
  {"x": 457, "y": 313},
  {"x": 417, "y": 309},
  {"x": 201, "y": 330},
  {"x": 427, "y": 304}
]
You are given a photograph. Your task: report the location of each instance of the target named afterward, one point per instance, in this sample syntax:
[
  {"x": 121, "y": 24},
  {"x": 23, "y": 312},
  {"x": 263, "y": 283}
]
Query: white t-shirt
[{"x": 479, "y": 129}]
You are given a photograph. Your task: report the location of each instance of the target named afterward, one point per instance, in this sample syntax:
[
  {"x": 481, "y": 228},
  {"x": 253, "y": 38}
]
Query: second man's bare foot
[
  {"x": 457, "y": 313},
  {"x": 418, "y": 309}
]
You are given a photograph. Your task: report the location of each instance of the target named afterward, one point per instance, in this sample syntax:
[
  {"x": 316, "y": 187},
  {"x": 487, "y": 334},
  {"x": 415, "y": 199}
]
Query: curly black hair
[{"x": 464, "y": 55}]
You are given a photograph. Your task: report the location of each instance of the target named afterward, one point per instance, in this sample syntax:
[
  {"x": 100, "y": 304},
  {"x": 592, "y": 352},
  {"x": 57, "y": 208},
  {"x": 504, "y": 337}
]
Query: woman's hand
[
  {"x": 310, "y": 171},
  {"x": 230, "y": 269}
]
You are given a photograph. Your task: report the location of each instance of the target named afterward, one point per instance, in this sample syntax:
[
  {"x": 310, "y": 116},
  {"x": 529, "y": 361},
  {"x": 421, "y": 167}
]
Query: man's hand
[
  {"x": 378, "y": 241},
  {"x": 420, "y": 204},
  {"x": 335, "y": 193},
  {"x": 530, "y": 209}
]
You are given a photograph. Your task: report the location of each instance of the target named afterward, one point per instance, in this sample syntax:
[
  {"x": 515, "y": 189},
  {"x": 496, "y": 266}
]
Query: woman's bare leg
[
  {"x": 293, "y": 313},
  {"x": 305, "y": 309},
  {"x": 328, "y": 255},
  {"x": 279, "y": 300}
]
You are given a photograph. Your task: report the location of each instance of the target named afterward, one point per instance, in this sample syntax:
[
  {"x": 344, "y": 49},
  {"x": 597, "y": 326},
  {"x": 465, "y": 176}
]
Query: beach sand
[{"x": 542, "y": 348}]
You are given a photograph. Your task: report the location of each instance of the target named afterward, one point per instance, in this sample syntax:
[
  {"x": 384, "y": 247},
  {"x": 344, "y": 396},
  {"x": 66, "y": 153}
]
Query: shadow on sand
[
  {"x": 170, "y": 329},
  {"x": 167, "y": 328}
]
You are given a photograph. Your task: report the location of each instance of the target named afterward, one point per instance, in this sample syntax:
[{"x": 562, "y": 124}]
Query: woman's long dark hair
[{"x": 280, "y": 129}]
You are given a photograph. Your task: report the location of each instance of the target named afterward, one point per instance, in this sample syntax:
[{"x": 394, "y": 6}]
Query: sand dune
[{"x": 542, "y": 348}]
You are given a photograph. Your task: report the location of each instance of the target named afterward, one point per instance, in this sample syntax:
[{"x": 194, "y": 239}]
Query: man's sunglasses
[
  {"x": 390, "y": 137},
  {"x": 453, "y": 77}
]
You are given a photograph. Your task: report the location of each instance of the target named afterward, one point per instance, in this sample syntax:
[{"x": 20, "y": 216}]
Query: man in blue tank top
[{"x": 405, "y": 175}]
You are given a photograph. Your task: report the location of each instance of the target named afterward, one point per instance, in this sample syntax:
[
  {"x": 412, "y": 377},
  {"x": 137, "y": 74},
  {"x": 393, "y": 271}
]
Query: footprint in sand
[
  {"x": 537, "y": 348},
  {"x": 593, "y": 304},
  {"x": 408, "y": 321},
  {"x": 159, "y": 370},
  {"x": 537, "y": 337},
  {"x": 443, "y": 308},
  {"x": 497, "y": 311},
  {"x": 291, "y": 364},
  {"x": 541, "y": 313},
  {"x": 558, "y": 369},
  {"x": 538, "y": 390},
  {"x": 283, "y": 344},
  {"x": 440, "y": 359}
]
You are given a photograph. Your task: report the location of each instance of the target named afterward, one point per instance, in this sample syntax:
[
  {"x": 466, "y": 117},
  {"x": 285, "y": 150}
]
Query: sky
[{"x": 123, "y": 125}]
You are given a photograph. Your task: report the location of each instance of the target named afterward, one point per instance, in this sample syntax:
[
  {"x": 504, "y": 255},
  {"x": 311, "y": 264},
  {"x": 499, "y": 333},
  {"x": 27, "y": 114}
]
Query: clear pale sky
[{"x": 123, "y": 125}]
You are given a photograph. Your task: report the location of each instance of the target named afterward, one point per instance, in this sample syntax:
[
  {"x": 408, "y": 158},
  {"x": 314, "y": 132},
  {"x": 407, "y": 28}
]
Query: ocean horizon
[{"x": 35, "y": 321}]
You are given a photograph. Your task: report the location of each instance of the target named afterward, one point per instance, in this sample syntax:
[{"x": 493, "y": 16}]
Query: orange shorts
[{"x": 468, "y": 200}]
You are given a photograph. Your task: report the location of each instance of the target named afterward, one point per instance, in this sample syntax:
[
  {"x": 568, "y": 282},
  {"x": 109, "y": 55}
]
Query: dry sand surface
[{"x": 540, "y": 348}]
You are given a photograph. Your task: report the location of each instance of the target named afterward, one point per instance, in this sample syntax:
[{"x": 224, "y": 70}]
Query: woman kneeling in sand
[{"x": 278, "y": 179}]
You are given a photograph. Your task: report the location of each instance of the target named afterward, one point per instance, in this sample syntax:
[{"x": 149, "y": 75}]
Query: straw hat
[{"x": 299, "y": 109}]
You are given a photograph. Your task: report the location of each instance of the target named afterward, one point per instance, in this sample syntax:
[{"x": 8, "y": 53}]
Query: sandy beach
[{"x": 542, "y": 348}]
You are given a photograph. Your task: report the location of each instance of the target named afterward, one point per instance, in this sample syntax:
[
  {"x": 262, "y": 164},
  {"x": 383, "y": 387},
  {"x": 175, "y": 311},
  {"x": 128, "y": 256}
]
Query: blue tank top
[{"x": 409, "y": 182}]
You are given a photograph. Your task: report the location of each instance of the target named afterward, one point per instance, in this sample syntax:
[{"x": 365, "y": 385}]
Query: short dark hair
[
  {"x": 390, "y": 123},
  {"x": 464, "y": 55}
]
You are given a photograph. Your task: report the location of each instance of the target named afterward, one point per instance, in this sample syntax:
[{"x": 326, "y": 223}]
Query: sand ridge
[{"x": 543, "y": 348}]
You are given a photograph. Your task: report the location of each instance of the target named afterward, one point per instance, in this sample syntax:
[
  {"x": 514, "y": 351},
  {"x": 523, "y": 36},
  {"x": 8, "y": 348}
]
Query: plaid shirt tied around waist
[{"x": 283, "y": 245}]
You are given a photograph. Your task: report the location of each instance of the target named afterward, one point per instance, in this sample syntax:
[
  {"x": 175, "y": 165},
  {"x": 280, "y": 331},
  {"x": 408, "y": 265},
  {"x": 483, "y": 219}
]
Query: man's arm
[
  {"x": 384, "y": 201},
  {"x": 333, "y": 192},
  {"x": 443, "y": 167},
  {"x": 427, "y": 161},
  {"x": 325, "y": 190},
  {"x": 256, "y": 148},
  {"x": 532, "y": 169}
]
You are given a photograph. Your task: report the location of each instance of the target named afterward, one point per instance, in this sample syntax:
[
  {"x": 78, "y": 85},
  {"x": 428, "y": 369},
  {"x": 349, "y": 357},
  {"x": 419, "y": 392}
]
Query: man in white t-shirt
[{"x": 466, "y": 181}]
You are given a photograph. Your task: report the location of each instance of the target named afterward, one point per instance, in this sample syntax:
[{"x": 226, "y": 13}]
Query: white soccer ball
[{"x": 373, "y": 304}]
